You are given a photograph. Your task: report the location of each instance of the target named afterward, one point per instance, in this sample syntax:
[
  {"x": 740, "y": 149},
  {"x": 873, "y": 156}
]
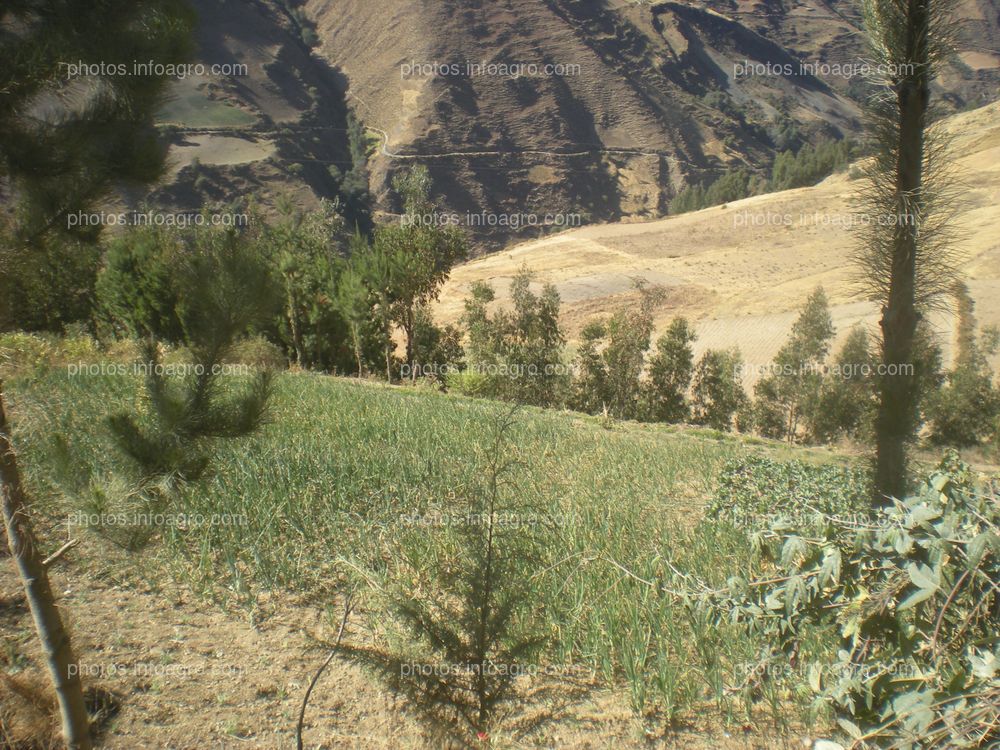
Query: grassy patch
[
  {"x": 324, "y": 492},
  {"x": 190, "y": 108}
]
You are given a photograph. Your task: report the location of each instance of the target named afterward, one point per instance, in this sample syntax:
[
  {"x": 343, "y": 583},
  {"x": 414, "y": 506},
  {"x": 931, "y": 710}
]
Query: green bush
[
  {"x": 136, "y": 294},
  {"x": 753, "y": 490},
  {"x": 22, "y": 353},
  {"x": 964, "y": 410},
  {"x": 470, "y": 383},
  {"x": 258, "y": 352},
  {"x": 911, "y": 594},
  {"x": 46, "y": 285}
]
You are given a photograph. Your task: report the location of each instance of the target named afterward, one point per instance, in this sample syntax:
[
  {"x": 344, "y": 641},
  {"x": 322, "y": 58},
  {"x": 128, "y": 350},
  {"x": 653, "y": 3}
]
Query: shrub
[
  {"x": 474, "y": 620},
  {"x": 912, "y": 594},
  {"x": 964, "y": 411},
  {"x": 609, "y": 378},
  {"x": 628, "y": 335},
  {"x": 223, "y": 287},
  {"x": 436, "y": 348},
  {"x": 303, "y": 250},
  {"x": 470, "y": 383},
  {"x": 136, "y": 293},
  {"x": 47, "y": 284},
  {"x": 25, "y": 353},
  {"x": 753, "y": 490},
  {"x": 258, "y": 352}
]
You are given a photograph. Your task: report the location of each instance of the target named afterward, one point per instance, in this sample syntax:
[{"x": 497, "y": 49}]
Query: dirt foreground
[{"x": 179, "y": 672}]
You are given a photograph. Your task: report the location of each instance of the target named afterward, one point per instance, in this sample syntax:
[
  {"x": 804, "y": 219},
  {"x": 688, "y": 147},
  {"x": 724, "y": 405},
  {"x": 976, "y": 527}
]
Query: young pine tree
[
  {"x": 474, "y": 620},
  {"x": 224, "y": 288}
]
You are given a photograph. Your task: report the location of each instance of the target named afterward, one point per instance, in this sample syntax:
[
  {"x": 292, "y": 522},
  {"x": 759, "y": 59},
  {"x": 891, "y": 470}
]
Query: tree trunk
[
  {"x": 293, "y": 325},
  {"x": 357, "y": 348},
  {"x": 388, "y": 360},
  {"x": 897, "y": 415},
  {"x": 408, "y": 327},
  {"x": 62, "y": 662}
]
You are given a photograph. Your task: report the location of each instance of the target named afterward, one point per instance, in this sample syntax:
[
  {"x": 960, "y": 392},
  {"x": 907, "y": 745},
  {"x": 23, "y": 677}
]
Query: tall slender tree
[
  {"x": 425, "y": 250},
  {"x": 905, "y": 256}
]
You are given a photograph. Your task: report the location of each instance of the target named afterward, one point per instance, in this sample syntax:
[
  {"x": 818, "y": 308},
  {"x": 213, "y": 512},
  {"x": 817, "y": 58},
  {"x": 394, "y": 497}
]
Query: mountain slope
[
  {"x": 652, "y": 98},
  {"x": 741, "y": 271},
  {"x": 646, "y": 97}
]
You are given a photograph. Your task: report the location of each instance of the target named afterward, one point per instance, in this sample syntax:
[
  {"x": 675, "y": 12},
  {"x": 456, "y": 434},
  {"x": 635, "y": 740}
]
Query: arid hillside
[
  {"x": 741, "y": 270},
  {"x": 588, "y": 111},
  {"x": 645, "y": 97}
]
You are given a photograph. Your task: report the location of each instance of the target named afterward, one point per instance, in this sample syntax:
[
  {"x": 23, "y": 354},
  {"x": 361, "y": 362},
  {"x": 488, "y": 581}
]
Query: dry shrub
[{"x": 28, "y": 714}]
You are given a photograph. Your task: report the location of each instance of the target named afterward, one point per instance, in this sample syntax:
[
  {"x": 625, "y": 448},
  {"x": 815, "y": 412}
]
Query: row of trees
[
  {"x": 342, "y": 302},
  {"x": 808, "y": 393},
  {"x": 790, "y": 169},
  {"x": 329, "y": 299}
]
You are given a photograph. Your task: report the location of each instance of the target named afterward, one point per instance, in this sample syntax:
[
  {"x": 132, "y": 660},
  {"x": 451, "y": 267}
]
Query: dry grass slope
[{"x": 742, "y": 270}]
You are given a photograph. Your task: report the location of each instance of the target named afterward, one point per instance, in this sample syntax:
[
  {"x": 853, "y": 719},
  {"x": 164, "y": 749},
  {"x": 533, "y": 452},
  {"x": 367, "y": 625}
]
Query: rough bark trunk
[
  {"x": 48, "y": 622},
  {"x": 896, "y": 419}
]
